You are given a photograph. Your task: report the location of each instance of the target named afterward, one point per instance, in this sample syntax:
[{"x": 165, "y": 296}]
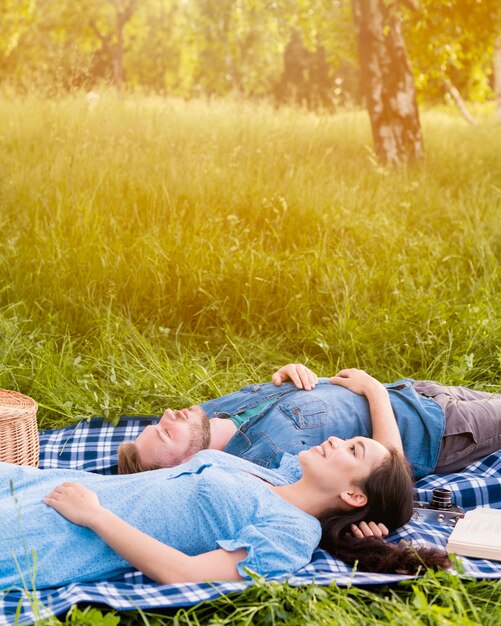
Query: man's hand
[
  {"x": 297, "y": 373},
  {"x": 74, "y": 502},
  {"x": 355, "y": 380},
  {"x": 371, "y": 529}
]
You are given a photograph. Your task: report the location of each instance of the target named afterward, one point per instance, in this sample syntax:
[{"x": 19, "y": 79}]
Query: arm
[
  {"x": 297, "y": 373},
  {"x": 157, "y": 560},
  {"x": 384, "y": 425}
]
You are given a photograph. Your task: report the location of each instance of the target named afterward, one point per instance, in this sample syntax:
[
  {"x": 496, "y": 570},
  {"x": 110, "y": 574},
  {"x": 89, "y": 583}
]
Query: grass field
[{"x": 160, "y": 252}]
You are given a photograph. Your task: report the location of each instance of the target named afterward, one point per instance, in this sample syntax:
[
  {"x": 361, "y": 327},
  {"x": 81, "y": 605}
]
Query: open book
[{"x": 478, "y": 534}]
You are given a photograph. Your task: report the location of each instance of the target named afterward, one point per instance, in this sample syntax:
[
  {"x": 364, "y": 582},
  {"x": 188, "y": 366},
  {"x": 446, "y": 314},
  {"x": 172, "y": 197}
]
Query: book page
[{"x": 481, "y": 527}]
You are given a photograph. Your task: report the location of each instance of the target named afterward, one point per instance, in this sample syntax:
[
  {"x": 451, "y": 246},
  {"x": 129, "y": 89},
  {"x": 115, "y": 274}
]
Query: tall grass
[
  {"x": 435, "y": 600},
  {"x": 157, "y": 251}
]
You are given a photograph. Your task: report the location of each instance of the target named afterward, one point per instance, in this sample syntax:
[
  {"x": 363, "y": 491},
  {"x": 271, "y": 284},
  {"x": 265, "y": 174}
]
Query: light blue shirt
[{"x": 213, "y": 501}]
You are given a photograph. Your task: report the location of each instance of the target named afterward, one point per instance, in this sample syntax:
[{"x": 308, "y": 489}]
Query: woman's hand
[
  {"x": 371, "y": 529},
  {"x": 297, "y": 373},
  {"x": 162, "y": 563},
  {"x": 384, "y": 425},
  {"x": 74, "y": 502},
  {"x": 355, "y": 380}
]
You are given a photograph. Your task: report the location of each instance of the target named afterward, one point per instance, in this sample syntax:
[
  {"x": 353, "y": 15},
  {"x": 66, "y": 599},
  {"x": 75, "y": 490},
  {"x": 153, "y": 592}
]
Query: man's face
[{"x": 178, "y": 435}]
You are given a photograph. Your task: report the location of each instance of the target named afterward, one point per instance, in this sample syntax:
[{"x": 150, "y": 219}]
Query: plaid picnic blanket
[{"x": 92, "y": 446}]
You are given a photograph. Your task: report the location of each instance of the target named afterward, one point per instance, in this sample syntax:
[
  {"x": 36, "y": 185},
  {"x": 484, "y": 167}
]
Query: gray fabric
[{"x": 472, "y": 424}]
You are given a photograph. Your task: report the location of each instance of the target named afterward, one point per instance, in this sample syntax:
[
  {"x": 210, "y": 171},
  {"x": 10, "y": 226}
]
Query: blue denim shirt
[{"x": 294, "y": 420}]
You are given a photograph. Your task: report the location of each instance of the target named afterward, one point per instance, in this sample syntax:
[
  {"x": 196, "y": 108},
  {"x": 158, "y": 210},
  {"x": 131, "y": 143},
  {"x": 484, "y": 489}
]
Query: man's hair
[
  {"x": 128, "y": 457},
  {"x": 389, "y": 491}
]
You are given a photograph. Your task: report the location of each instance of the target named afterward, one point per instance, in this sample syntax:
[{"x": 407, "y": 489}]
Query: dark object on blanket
[
  {"x": 441, "y": 499},
  {"x": 19, "y": 441},
  {"x": 440, "y": 511}
]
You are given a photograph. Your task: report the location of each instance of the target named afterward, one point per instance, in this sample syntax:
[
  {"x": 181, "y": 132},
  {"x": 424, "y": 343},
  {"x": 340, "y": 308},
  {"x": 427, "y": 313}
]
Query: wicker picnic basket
[{"x": 18, "y": 429}]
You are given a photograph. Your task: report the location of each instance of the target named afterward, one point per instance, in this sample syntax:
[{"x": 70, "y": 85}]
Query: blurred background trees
[{"x": 290, "y": 51}]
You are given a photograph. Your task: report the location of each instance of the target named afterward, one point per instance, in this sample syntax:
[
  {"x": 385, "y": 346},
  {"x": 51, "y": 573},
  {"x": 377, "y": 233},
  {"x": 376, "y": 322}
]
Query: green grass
[
  {"x": 160, "y": 252},
  {"x": 437, "y": 599}
]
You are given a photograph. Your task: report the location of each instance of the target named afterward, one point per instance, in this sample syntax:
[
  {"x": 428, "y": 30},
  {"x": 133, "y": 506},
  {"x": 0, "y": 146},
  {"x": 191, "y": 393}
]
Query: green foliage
[
  {"x": 454, "y": 40},
  {"x": 90, "y": 617},
  {"x": 439, "y": 599}
]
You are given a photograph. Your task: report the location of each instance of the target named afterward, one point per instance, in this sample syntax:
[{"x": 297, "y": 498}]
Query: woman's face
[{"x": 336, "y": 463}]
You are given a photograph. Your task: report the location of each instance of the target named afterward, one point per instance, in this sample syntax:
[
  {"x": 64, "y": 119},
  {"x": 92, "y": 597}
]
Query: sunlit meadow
[{"x": 156, "y": 251}]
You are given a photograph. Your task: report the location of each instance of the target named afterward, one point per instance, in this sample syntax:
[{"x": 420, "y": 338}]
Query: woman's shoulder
[
  {"x": 219, "y": 460},
  {"x": 239, "y": 485}
]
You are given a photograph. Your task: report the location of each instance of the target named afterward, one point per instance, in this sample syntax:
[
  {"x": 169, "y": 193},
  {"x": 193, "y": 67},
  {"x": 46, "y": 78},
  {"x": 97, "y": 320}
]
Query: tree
[
  {"x": 38, "y": 39},
  {"x": 319, "y": 57},
  {"x": 451, "y": 43},
  {"x": 254, "y": 48},
  {"x": 154, "y": 46},
  {"x": 388, "y": 82},
  {"x": 16, "y": 18},
  {"x": 112, "y": 39},
  {"x": 497, "y": 76}
]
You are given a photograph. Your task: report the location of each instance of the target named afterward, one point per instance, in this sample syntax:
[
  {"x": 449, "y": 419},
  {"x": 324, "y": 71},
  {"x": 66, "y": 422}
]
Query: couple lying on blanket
[{"x": 203, "y": 514}]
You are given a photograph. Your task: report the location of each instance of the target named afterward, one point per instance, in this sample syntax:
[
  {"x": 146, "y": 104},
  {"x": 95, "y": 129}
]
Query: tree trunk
[
  {"x": 387, "y": 81},
  {"x": 453, "y": 91},
  {"x": 123, "y": 15},
  {"x": 117, "y": 58},
  {"x": 497, "y": 76}
]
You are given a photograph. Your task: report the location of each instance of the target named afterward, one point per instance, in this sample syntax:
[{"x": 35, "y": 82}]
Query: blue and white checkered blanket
[{"x": 92, "y": 446}]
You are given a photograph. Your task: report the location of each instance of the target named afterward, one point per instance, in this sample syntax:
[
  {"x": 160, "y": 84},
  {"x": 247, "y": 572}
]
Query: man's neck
[{"x": 221, "y": 431}]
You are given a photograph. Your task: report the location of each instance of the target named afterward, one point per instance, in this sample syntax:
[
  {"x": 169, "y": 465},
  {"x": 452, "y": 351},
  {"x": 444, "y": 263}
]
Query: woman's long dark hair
[{"x": 389, "y": 491}]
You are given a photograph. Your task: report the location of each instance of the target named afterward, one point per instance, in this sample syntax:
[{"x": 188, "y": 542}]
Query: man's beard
[
  {"x": 204, "y": 431},
  {"x": 199, "y": 434}
]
